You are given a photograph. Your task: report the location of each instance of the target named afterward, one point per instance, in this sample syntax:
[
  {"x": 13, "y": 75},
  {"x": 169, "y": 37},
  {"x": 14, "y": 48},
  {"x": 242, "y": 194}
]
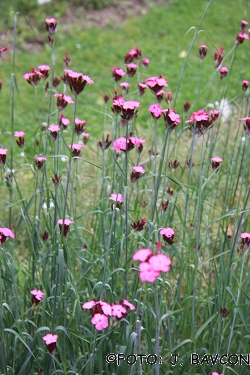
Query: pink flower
[
  {"x": 142, "y": 254},
  {"x": 203, "y": 51},
  {"x": 123, "y": 144},
  {"x": 136, "y": 173},
  {"x": 100, "y": 321},
  {"x": 171, "y": 118},
  {"x": 168, "y": 235},
  {"x": 80, "y": 126},
  {"x": 127, "y": 304},
  {"x": 62, "y": 101},
  {"x": 223, "y": 72},
  {"x": 145, "y": 62},
  {"x": 156, "y": 84},
  {"x": 246, "y": 126},
  {"x": 125, "y": 87},
  {"x": 131, "y": 69},
  {"x": 77, "y": 81},
  {"x": 63, "y": 122},
  {"x": 50, "y": 341},
  {"x": 160, "y": 262},
  {"x": 147, "y": 273},
  {"x": 142, "y": 87},
  {"x": 64, "y": 226},
  {"x": 117, "y": 74},
  {"x": 129, "y": 110},
  {"x": 216, "y": 161},
  {"x": 216, "y": 373},
  {"x": 117, "y": 105},
  {"x": 51, "y": 24},
  {"x": 76, "y": 149},
  {"x": 116, "y": 197},
  {"x": 33, "y": 78},
  {"x": 155, "y": 110},
  {"x": 243, "y": 24},
  {"x": 20, "y": 140},
  {"x": 3, "y": 153},
  {"x": 4, "y": 233},
  {"x": 54, "y": 129},
  {"x": 241, "y": 36},
  {"x": 245, "y": 84},
  {"x": 85, "y": 137},
  {"x": 44, "y": 69},
  {"x": 245, "y": 240},
  {"x": 99, "y": 307},
  {"x": 202, "y": 121},
  {"x": 39, "y": 161},
  {"x": 118, "y": 311},
  {"x": 37, "y": 296}
]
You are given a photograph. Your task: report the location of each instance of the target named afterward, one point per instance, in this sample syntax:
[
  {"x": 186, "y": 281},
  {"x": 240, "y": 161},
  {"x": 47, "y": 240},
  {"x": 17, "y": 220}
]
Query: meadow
[{"x": 124, "y": 205}]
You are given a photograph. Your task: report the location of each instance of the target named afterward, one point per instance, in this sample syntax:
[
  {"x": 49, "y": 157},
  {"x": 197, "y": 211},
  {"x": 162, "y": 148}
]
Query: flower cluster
[
  {"x": 151, "y": 264},
  {"x": 201, "y": 121},
  {"x": 124, "y": 144},
  {"x": 101, "y": 310}
]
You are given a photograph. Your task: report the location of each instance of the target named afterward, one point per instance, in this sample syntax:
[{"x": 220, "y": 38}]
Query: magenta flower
[
  {"x": 156, "y": 84},
  {"x": 125, "y": 87},
  {"x": 129, "y": 110},
  {"x": 20, "y": 140},
  {"x": 203, "y": 51},
  {"x": 80, "y": 126},
  {"x": 63, "y": 101},
  {"x": 218, "y": 57},
  {"x": 77, "y": 81},
  {"x": 85, "y": 138},
  {"x": 37, "y": 296},
  {"x": 243, "y": 25},
  {"x": 245, "y": 241},
  {"x": 216, "y": 161},
  {"x": 202, "y": 121},
  {"x": 54, "y": 129},
  {"x": 76, "y": 149},
  {"x": 142, "y": 87},
  {"x": 245, "y": 84},
  {"x": 100, "y": 321},
  {"x": 64, "y": 226},
  {"x": 133, "y": 54},
  {"x": 118, "y": 311},
  {"x": 155, "y": 110},
  {"x": 131, "y": 69},
  {"x": 50, "y": 341},
  {"x": 223, "y": 72},
  {"x": 136, "y": 173},
  {"x": 171, "y": 118},
  {"x": 127, "y": 304},
  {"x": 169, "y": 97},
  {"x": 117, "y": 74},
  {"x": 39, "y": 161},
  {"x": 145, "y": 62},
  {"x": 63, "y": 122},
  {"x": 33, "y": 78},
  {"x": 246, "y": 126},
  {"x": 4, "y": 233},
  {"x": 51, "y": 24},
  {"x": 168, "y": 235},
  {"x": 116, "y": 197},
  {"x": 151, "y": 265},
  {"x": 123, "y": 144},
  {"x": 44, "y": 69},
  {"x": 216, "y": 373},
  {"x": 117, "y": 105},
  {"x": 241, "y": 36}
]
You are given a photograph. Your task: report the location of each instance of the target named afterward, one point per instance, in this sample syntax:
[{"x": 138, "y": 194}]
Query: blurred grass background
[{"x": 160, "y": 31}]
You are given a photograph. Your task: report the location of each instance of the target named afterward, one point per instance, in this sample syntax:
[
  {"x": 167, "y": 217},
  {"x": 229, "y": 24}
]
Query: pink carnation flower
[
  {"x": 156, "y": 84},
  {"x": 64, "y": 226},
  {"x": 168, "y": 235},
  {"x": 100, "y": 321},
  {"x": 37, "y": 296},
  {"x": 155, "y": 110},
  {"x": 142, "y": 254},
  {"x": 216, "y": 161},
  {"x": 117, "y": 74},
  {"x": 4, "y": 233},
  {"x": 118, "y": 311},
  {"x": 116, "y": 197},
  {"x": 50, "y": 341}
]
